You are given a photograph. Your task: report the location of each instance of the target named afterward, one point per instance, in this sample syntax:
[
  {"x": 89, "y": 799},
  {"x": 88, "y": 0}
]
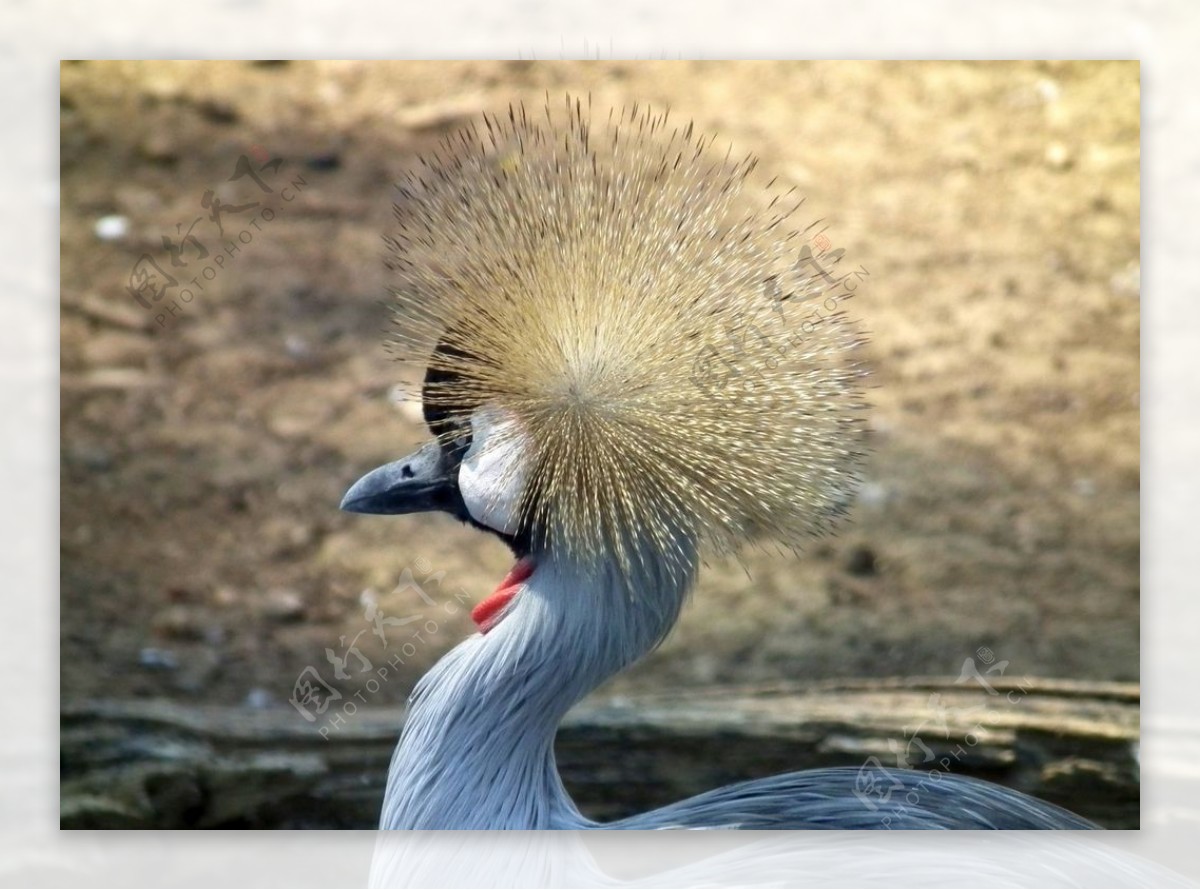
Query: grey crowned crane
[{"x": 624, "y": 367}]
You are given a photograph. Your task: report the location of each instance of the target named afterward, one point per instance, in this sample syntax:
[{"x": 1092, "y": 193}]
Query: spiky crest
[{"x": 671, "y": 368}]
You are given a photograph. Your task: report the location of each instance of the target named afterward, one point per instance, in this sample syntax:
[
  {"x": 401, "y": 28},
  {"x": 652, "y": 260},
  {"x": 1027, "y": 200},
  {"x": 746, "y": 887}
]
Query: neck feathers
[{"x": 477, "y": 749}]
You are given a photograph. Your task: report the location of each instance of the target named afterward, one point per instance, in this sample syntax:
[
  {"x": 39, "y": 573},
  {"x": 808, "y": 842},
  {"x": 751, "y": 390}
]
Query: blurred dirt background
[{"x": 995, "y": 206}]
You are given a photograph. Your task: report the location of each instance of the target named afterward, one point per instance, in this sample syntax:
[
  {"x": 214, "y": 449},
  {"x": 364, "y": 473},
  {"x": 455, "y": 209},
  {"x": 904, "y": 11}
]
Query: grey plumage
[
  {"x": 560, "y": 288},
  {"x": 477, "y": 747},
  {"x": 826, "y": 799}
]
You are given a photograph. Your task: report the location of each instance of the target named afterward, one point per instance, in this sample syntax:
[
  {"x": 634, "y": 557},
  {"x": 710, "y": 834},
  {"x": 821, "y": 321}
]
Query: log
[{"x": 165, "y": 764}]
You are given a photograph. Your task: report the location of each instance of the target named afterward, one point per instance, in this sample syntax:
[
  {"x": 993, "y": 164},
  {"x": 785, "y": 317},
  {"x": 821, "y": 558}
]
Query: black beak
[{"x": 425, "y": 481}]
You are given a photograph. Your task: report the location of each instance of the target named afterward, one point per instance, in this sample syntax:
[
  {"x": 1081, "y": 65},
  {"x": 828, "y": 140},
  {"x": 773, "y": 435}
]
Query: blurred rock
[
  {"x": 179, "y": 623},
  {"x": 217, "y": 111},
  {"x": 283, "y": 604},
  {"x": 159, "y": 659},
  {"x": 1128, "y": 282},
  {"x": 873, "y": 494},
  {"x": 324, "y": 161},
  {"x": 297, "y": 347},
  {"x": 1058, "y": 156},
  {"x": 1048, "y": 90},
  {"x": 178, "y": 593},
  {"x": 861, "y": 561},
  {"x": 160, "y": 147},
  {"x": 111, "y": 228},
  {"x": 259, "y": 699},
  {"x": 96, "y": 458}
]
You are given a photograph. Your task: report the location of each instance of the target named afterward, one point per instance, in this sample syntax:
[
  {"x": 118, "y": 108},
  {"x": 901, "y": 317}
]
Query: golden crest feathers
[{"x": 677, "y": 364}]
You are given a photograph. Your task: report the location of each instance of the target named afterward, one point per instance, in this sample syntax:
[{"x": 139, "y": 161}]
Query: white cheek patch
[{"x": 492, "y": 474}]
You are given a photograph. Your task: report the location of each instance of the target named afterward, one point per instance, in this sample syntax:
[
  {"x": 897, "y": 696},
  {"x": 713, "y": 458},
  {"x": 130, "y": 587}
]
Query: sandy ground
[{"x": 995, "y": 207}]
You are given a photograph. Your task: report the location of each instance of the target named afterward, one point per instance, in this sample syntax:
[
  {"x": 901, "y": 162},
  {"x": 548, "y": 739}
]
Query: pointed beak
[{"x": 422, "y": 482}]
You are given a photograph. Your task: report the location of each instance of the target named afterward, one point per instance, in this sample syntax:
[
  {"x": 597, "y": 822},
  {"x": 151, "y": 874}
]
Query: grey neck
[{"x": 477, "y": 750}]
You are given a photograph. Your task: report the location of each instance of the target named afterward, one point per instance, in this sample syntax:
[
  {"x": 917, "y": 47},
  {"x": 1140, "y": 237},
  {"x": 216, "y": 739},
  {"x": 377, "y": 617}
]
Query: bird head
[{"x": 621, "y": 355}]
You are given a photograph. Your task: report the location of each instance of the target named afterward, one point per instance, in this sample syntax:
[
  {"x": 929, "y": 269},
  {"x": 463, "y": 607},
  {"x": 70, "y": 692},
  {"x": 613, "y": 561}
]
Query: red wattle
[{"x": 484, "y": 614}]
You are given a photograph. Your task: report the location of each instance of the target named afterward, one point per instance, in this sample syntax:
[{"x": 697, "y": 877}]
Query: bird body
[{"x": 620, "y": 359}]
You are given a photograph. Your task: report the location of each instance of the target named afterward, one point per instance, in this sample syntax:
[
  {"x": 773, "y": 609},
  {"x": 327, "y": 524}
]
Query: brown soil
[{"x": 995, "y": 207}]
